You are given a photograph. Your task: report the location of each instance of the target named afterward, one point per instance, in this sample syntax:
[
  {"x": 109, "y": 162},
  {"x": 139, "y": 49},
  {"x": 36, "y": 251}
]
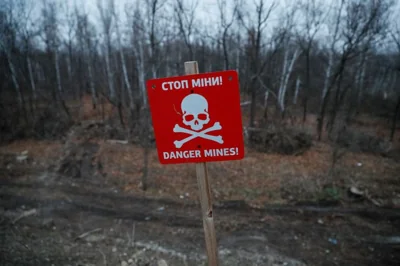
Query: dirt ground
[{"x": 79, "y": 201}]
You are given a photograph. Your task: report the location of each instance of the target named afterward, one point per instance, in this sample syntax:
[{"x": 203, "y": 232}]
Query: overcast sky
[
  {"x": 207, "y": 11},
  {"x": 206, "y": 8}
]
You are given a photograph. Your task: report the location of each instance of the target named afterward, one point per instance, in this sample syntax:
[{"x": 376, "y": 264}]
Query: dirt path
[{"x": 147, "y": 231}]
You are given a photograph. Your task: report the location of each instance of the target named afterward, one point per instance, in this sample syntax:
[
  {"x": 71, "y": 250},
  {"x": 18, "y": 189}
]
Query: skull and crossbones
[{"x": 195, "y": 115}]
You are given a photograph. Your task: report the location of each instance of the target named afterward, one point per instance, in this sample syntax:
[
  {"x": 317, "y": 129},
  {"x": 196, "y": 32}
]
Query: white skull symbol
[{"x": 195, "y": 111}]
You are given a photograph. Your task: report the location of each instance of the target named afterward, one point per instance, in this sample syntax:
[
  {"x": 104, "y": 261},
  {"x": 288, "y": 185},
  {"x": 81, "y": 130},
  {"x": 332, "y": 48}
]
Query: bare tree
[
  {"x": 185, "y": 17},
  {"x": 156, "y": 28},
  {"x": 7, "y": 43},
  {"x": 364, "y": 22},
  {"x": 70, "y": 21},
  {"x": 225, "y": 25},
  {"x": 334, "y": 39},
  {"x": 395, "y": 34},
  {"x": 52, "y": 39},
  {"x": 288, "y": 60},
  {"x": 364, "y": 26},
  {"x": 106, "y": 16},
  {"x": 143, "y": 25},
  {"x": 286, "y": 72},
  {"x": 238, "y": 46},
  {"x": 28, "y": 31},
  {"x": 278, "y": 52},
  {"x": 296, "y": 91},
  {"x": 137, "y": 26},
  {"x": 123, "y": 63},
  {"x": 51, "y": 36},
  {"x": 255, "y": 32},
  {"x": 312, "y": 14},
  {"x": 84, "y": 35}
]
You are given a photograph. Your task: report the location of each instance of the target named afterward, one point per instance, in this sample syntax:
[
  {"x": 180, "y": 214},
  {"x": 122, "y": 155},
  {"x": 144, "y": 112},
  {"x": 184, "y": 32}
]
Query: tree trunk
[
  {"x": 336, "y": 105},
  {"x": 81, "y": 78},
  {"x": 120, "y": 114},
  {"x": 395, "y": 118},
  {"x": 324, "y": 103},
  {"x": 328, "y": 85},
  {"x": 282, "y": 79},
  {"x": 296, "y": 92},
  {"x": 59, "y": 91},
  {"x": 225, "y": 50},
  {"x": 126, "y": 79},
  {"x": 321, "y": 116},
  {"x": 287, "y": 71},
  {"x": 57, "y": 66},
  {"x": 167, "y": 65},
  {"x": 191, "y": 58},
  {"x": 306, "y": 88},
  {"x": 203, "y": 58},
  {"x": 327, "y": 75},
  {"x": 356, "y": 96},
  {"x": 91, "y": 83},
  {"x": 142, "y": 81},
  {"x": 238, "y": 52},
  {"x": 253, "y": 106},
  {"x": 146, "y": 149},
  {"x": 361, "y": 80},
  {"x": 33, "y": 86},
  {"x": 266, "y": 105},
  {"x": 68, "y": 61},
  {"x": 109, "y": 73},
  {"x": 17, "y": 87},
  {"x": 178, "y": 62}
]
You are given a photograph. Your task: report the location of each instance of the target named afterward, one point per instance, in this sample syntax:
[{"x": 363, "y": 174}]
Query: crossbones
[{"x": 201, "y": 134}]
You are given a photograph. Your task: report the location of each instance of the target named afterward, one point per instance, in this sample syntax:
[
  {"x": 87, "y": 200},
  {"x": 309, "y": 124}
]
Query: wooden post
[{"x": 205, "y": 194}]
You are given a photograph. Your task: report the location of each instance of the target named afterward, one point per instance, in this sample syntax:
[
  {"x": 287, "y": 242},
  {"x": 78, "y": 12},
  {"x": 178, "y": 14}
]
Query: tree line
[{"x": 333, "y": 59}]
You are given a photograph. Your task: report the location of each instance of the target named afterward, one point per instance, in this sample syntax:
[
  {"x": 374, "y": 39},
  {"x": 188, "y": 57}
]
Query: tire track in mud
[
  {"x": 86, "y": 195},
  {"x": 236, "y": 222},
  {"x": 167, "y": 211}
]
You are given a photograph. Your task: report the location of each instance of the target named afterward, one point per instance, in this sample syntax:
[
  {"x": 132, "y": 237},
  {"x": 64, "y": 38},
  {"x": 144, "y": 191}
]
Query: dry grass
[
  {"x": 83, "y": 109},
  {"x": 259, "y": 178},
  {"x": 42, "y": 150}
]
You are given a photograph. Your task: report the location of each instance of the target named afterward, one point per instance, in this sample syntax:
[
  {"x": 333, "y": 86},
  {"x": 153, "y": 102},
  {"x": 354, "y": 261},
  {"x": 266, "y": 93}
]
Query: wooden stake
[{"x": 205, "y": 194}]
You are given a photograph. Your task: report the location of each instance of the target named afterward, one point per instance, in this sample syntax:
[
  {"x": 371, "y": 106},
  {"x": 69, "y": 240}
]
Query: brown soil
[
  {"x": 253, "y": 214},
  {"x": 84, "y": 205}
]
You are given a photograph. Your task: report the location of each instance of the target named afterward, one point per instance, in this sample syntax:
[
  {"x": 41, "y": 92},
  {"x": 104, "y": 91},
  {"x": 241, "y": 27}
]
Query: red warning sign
[{"x": 197, "y": 118}]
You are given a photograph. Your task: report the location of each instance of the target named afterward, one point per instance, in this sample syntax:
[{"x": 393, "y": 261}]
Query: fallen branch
[
  {"x": 88, "y": 233},
  {"x": 155, "y": 247},
  {"x": 376, "y": 202},
  {"x": 245, "y": 103},
  {"x": 116, "y": 141},
  {"x": 133, "y": 232},
  {"x": 384, "y": 240},
  {"x": 257, "y": 129},
  {"x": 25, "y": 214},
  {"x": 131, "y": 242},
  {"x": 104, "y": 258},
  {"x": 366, "y": 195}
]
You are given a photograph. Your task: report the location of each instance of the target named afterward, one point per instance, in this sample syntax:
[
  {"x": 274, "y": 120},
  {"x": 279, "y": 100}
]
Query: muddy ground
[
  {"x": 74, "y": 202},
  {"x": 123, "y": 228}
]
